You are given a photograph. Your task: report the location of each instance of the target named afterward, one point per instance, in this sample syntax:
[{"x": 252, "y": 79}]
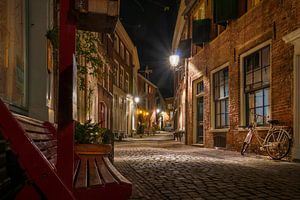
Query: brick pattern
[{"x": 270, "y": 20}]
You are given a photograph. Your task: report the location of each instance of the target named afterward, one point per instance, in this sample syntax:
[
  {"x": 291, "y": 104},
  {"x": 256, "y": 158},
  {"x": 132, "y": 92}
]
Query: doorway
[{"x": 198, "y": 88}]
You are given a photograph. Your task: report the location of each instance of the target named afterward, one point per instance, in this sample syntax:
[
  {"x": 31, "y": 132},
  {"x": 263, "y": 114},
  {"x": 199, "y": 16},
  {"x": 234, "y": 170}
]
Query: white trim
[
  {"x": 242, "y": 95},
  {"x": 212, "y": 103},
  {"x": 194, "y": 112}
]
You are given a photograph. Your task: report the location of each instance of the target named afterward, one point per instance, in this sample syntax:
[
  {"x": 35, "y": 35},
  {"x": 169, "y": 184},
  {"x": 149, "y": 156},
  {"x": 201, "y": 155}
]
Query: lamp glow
[
  {"x": 174, "y": 60},
  {"x": 136, "y": 99},
  {"x": 157, "y": 110}
]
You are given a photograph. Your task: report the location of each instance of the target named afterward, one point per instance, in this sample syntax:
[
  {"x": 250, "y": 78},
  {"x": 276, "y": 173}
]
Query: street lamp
[
  {"x": 157, "y": 110},
  {"x": 174, "y": 60},
  {"x": 136, "y": 99}
]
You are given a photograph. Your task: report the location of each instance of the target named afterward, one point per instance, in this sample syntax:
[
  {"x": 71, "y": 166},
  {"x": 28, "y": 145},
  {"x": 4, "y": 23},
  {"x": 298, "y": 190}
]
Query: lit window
[
  {"x": 257, "y": 85},
  {"x": 221, "y": 97}
]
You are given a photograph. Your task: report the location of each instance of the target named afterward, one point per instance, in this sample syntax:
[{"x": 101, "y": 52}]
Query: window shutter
[
  {"x": 201, "y": 30},
  {"x": 184, "y": 48},
  {"x": 225, "y": 10}
]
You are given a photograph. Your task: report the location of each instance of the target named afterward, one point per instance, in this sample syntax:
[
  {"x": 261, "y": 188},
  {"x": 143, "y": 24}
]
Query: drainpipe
[{"x": 186, "y": 85}]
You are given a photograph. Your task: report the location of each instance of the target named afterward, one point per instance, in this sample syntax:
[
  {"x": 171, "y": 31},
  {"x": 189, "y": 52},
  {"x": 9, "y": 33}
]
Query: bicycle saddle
[{"x": 273, "y": 121}]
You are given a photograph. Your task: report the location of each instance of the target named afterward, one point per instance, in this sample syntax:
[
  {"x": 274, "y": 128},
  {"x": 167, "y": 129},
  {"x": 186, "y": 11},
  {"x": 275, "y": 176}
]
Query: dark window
[
  {"x": 200, "y": 87},
  {"x": 257, "y": 84},
  {"x": 221, "y": 97}
]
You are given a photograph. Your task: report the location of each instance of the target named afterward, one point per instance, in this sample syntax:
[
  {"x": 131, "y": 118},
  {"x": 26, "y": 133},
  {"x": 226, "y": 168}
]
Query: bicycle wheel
[
  {"x": 244, "y": 148},
  {"x": 278, "y": 144}
]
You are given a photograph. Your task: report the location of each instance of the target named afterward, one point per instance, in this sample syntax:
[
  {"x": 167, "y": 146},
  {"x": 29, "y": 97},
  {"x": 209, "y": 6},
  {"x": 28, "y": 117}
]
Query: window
[
  {"x": 102, "y": 115},
  {"x": 122, "y": 50},
  {"x": 257, "y": 85},
  {"x": 121, "y": 77},
  {"x": 200, "y": 87},
  {"x": 116, "y": 74},
  {"x": 116, "y": 43},
  {"x": 127, "y": 82},
  {"x": 127, "y": 58},
  {"x": 221, "y": 96},
  {"x": 12, "y": 52}
]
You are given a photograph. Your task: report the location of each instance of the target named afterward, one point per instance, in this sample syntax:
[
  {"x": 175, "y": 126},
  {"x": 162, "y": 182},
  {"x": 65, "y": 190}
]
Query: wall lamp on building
[
  {"x": 174, "y": 60},
  {"x": 157, "y": 110}
]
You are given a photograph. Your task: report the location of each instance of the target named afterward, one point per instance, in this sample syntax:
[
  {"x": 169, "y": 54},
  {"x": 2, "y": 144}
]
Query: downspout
[{"x": 186, "y": 85}]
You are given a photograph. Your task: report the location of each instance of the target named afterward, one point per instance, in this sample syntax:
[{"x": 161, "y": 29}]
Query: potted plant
[{"x": 91, "y": 139}]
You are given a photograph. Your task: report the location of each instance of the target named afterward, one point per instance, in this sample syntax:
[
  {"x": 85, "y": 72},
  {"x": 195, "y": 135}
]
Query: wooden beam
[{"x": 65, "y": 137}]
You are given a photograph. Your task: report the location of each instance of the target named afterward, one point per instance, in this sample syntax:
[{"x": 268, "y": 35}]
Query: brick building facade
[{"x": 243, "y": 67}]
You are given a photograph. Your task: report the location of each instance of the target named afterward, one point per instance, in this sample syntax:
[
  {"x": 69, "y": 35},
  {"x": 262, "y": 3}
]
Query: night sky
[{"x": 150, "y": 24}]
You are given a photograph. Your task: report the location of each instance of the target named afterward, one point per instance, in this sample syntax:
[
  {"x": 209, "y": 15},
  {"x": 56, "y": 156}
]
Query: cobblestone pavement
[{"x": 169, "y": 170}]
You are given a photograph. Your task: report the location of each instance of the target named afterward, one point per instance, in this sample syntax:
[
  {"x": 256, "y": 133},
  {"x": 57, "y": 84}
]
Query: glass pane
[
  {"x": 257, "y": 76},
  {"x": 259, "y": 98},
  {"x": 251, "y": 116},
  {"x": 256, "y": 61},
  {"x": 12, "y": 66},
  {"x": 248, "y": 66},
  {"x": 223, "y": 105},
  {"x": 251, "y": 100},
  {"x": 265, "y": 75},
  {"x": 266, "y": 96},
  {"x": 226, "y": 119},
  {"x": 218, "y": 121},
  {"x": 223, "y": 121},
  {"x": 218, "y": 107},
  {"x": 267, "y": 111},
  {"x": 266, "y": 56},
  {"x": 259, "y": 118},
  {"x": 217, "y": 93},
  {"x": 222, "y": 91},
  {"x": 249, "y": 79},
  {"x": 226, "y": 106},
  {"x": 221, "y": 77}
]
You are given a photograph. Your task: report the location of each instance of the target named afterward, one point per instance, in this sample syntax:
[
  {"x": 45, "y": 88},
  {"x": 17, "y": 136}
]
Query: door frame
[{"x": 195, "y": 96}]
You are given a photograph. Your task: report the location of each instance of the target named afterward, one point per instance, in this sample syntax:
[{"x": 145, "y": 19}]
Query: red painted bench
[{"x": 35, "y": 144}]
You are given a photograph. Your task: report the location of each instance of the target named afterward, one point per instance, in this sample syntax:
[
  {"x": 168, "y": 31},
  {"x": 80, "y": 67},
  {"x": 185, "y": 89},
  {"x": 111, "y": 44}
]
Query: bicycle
[{"x": 277, "y": 142}]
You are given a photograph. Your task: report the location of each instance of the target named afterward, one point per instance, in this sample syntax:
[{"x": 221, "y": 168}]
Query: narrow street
[{"x": 161, "y": 168}]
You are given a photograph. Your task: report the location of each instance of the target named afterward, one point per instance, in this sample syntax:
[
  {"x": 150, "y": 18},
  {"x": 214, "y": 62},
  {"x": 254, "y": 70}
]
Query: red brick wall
[{"x": 270, "y": 20}]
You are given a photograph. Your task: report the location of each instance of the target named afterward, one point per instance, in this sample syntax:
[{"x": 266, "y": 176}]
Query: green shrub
[{"x": 91, "y": 133}]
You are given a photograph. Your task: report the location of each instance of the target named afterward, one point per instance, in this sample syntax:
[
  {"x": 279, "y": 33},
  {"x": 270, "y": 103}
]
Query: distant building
[
  {"x": 237, "y": 58},
  {"x": 151, "y": 104},
  {"x": 126, "y": 65},
  {"x": 169, "y": 118}
]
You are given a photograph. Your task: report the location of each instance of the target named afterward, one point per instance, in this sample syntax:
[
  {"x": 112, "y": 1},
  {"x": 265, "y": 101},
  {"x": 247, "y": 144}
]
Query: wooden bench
[
  {"x": 35, "y": 144},
  {"x": 95, "y": 171}
]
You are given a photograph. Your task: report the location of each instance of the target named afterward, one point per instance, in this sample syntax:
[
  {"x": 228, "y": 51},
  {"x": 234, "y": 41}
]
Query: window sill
[
  {"x": 221, "y": 130},
  {"x": 198, "y": 145},
  {"x": 260, "y": 128}
]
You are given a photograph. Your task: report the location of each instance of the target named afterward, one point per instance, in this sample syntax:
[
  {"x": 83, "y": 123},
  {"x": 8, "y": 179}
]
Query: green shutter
[
  {"x": 225, "y": 10},
  {"x": 201, "y": 31}
]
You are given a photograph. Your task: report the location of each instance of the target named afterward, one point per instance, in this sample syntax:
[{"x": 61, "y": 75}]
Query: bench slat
[
  {"x": 36, "y": 129},
  {"x": 115, "y": 172},
  {"x": 106, "y": 175},
  {"x": 94, "y": 177},
  {"x": 46, "y": 144},
  {"x": 82, "y": 174},
  {"x": 39, "y": 137}
]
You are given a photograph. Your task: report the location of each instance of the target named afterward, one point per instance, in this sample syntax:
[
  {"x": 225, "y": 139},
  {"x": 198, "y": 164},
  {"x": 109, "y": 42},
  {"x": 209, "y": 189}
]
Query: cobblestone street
[{"x": 165, "y": 169}]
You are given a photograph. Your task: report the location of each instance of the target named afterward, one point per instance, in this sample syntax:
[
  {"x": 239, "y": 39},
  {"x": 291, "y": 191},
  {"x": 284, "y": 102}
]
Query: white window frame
[
  {"x": 242, "y": 85},
  {"x": 212, "y": 102}
]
